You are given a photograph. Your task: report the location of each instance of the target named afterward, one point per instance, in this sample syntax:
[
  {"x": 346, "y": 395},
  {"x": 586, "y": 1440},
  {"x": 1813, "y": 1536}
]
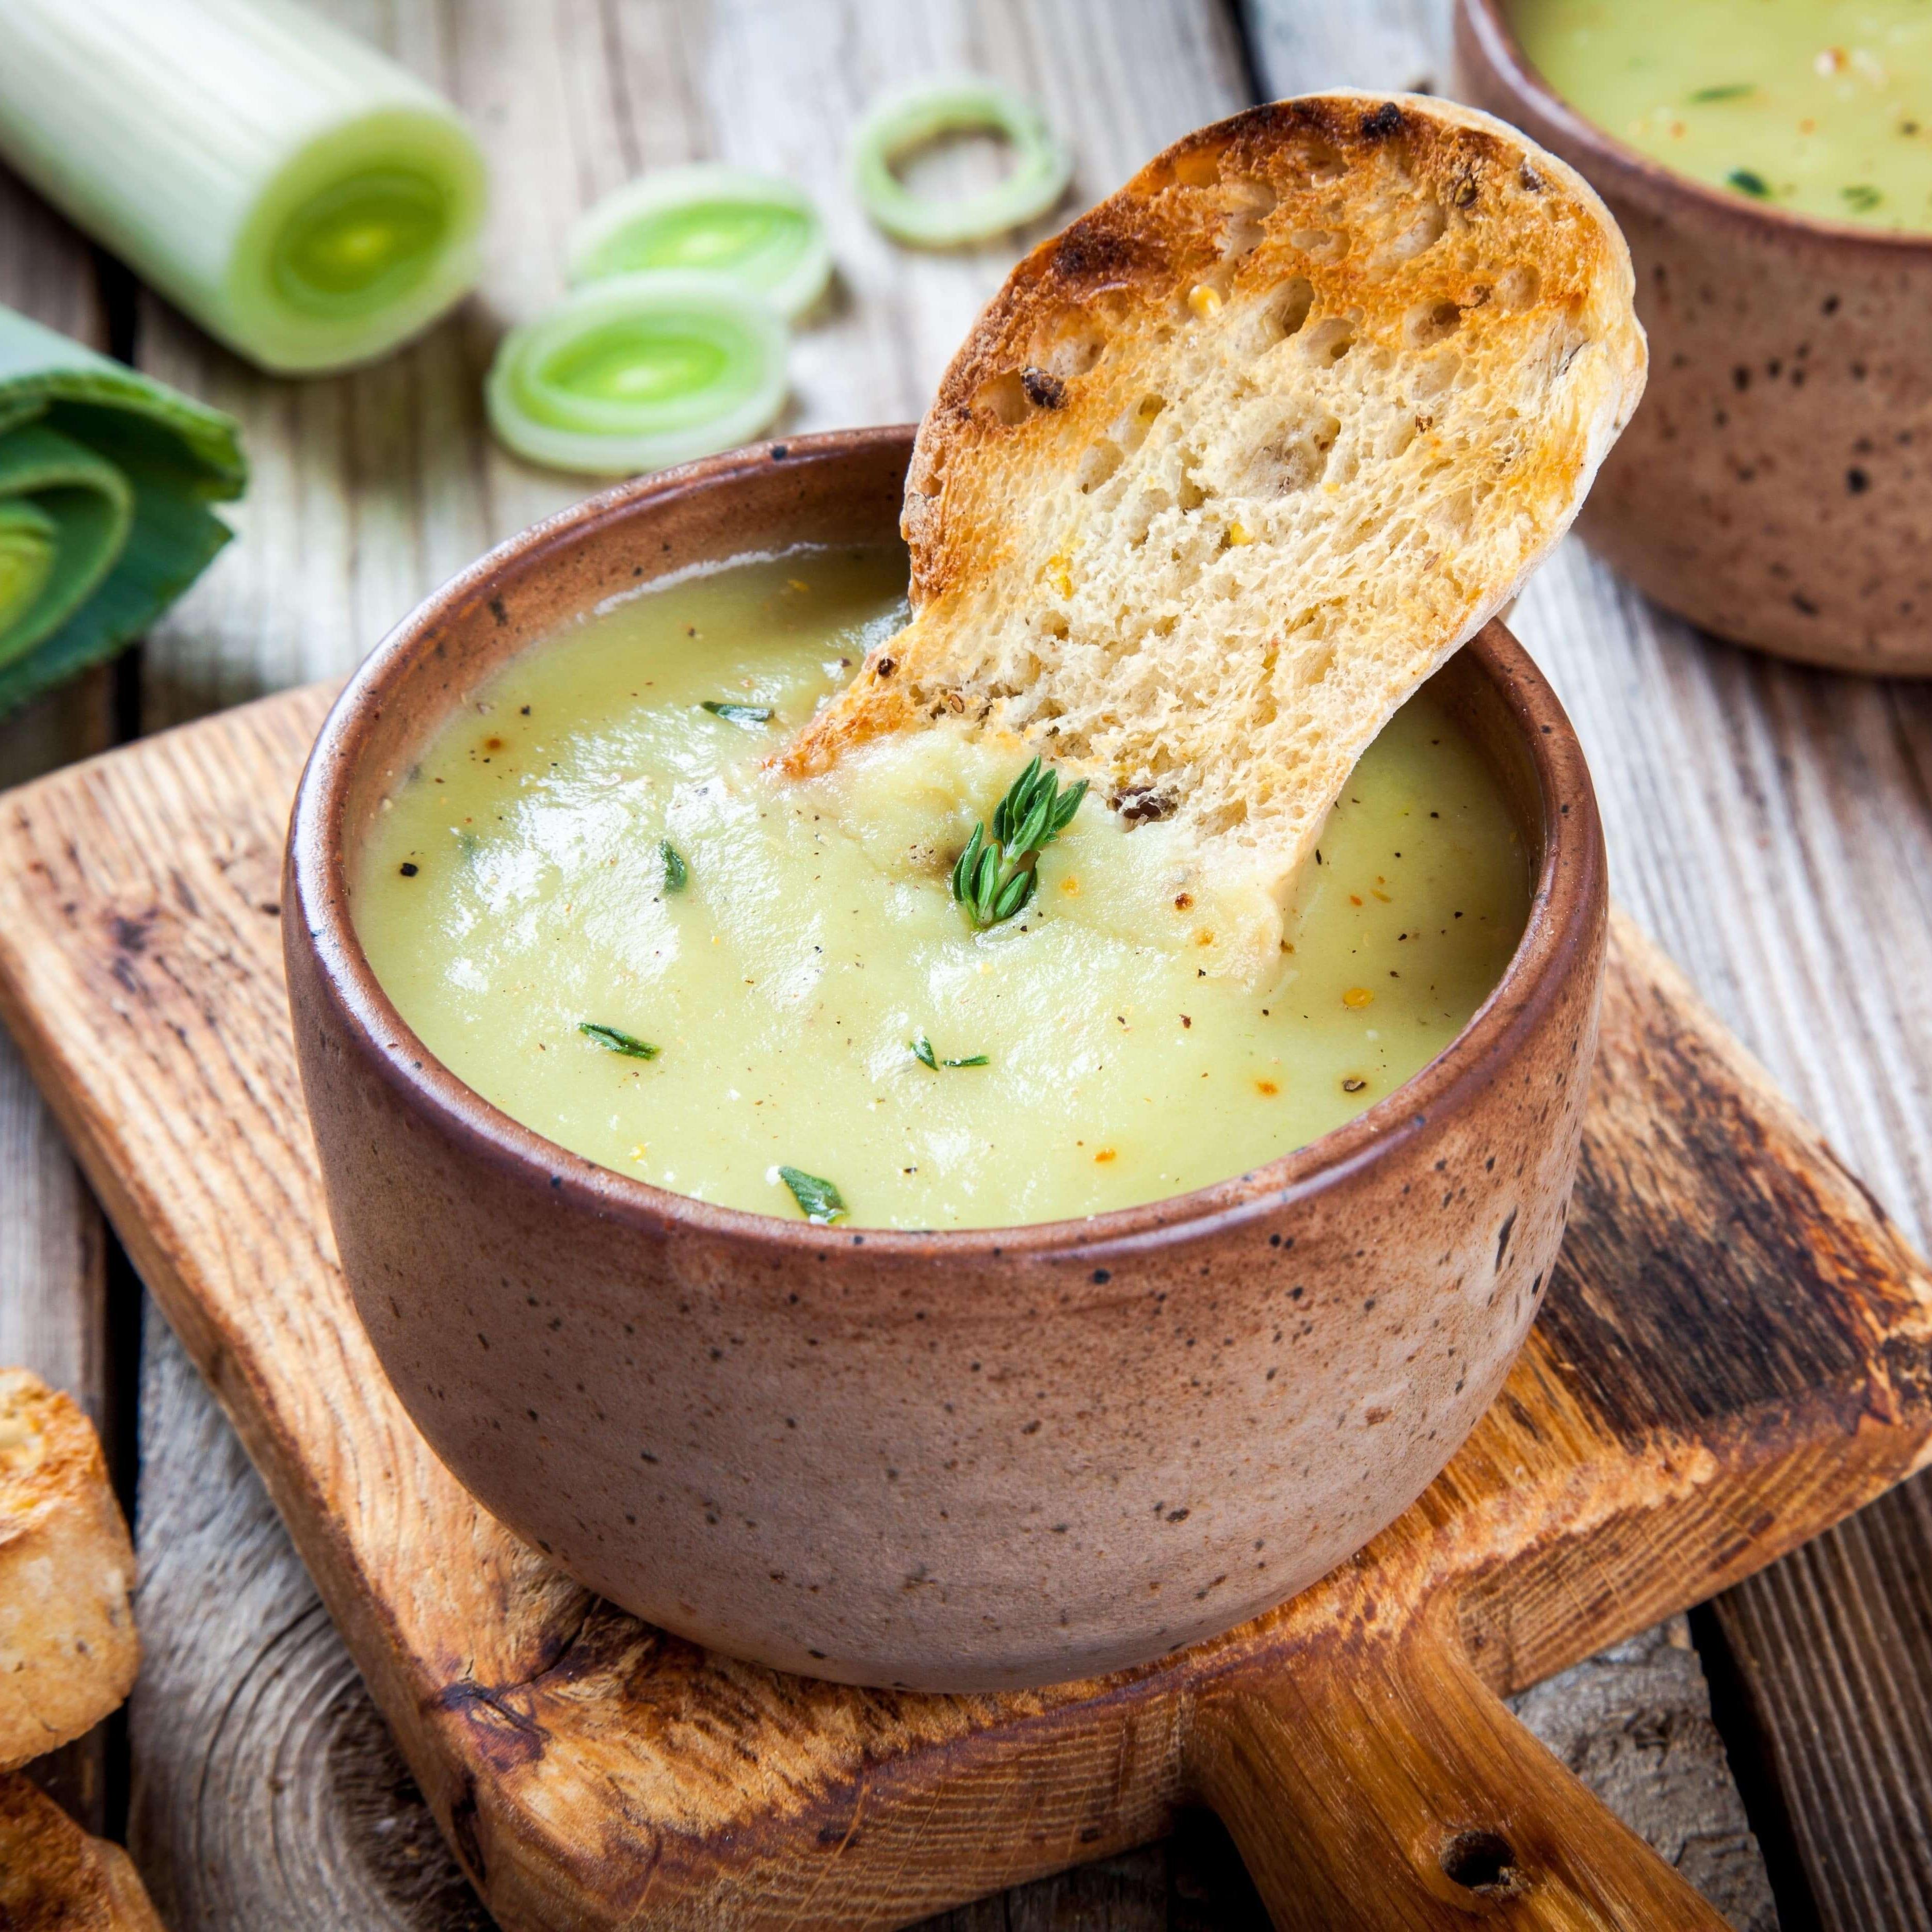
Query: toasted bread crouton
[
  {"x": 67, "y": 1647},
  {"x": 1229, "y": 467},
  {"x": 55, "y": 1878}
]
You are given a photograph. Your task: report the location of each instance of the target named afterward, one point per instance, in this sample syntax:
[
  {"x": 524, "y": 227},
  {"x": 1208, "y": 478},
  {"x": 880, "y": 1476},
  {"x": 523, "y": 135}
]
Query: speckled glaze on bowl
[
  {"x": 955, "y": 1461},
  {"x": 1775, "y": 485}
]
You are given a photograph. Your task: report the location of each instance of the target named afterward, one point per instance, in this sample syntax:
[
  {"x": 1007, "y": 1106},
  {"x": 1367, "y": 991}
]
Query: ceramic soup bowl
[
  {"x": 1773, "y": 486},
  {"x": 952, "y": 1461}
]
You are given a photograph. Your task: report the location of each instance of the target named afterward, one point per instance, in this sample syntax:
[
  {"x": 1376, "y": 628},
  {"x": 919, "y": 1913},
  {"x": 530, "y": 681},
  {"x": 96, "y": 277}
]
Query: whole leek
[
  {"x": 297, "y": 192},
  {"x": 105, "y": 481}
]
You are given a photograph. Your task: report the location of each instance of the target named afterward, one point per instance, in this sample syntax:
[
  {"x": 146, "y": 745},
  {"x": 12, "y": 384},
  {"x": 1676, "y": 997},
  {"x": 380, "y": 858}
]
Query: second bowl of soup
[
  {"x": 1771, "y": 165},
  {"x": 839, "y": 1284}
]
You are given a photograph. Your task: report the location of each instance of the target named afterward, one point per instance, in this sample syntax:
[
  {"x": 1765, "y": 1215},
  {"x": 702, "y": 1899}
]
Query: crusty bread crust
[
  {"x": 1227, "y": 468},
  {"x": 55, "y": 1878},
  {"x": 68, "y": 1652}
]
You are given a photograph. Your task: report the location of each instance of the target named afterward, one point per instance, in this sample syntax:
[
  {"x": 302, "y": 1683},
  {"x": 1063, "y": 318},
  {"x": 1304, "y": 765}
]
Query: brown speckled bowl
[
  {"x": 954, "y": 1461},
  {"x": 1775, "y": 486}
]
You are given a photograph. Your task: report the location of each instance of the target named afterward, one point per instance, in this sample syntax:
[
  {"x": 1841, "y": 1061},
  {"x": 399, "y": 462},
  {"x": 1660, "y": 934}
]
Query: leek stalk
[
  {"x": 297, "y": 192},
  {"x": 105, "y": 481}
]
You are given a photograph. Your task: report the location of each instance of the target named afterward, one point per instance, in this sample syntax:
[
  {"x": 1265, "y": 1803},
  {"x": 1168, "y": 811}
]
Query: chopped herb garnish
[
  {"x": 677, "y": 874},
  {"x": 818, "y": 1200},
  {"x": 737, "y": 714},
  {"x": 991, "y": 879},
  {"x": 1862, "y": 197},
  {"x": 1734, "y": 90},
  {"x": 617, "y": 1041},
  {"x": 1746, "y": 181},
  {"x": 923, "y": 1052}
]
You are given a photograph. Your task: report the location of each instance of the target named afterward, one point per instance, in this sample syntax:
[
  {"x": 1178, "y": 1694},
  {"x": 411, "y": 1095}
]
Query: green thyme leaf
[
  {"x": 1734, "y": 90},
  {"x": 1747, "y": 181},
  {"x": 737, "y": 714},
  {"x": 1862, "y": 197},
  {"x": 617, "y": 1041},
  {"x": 992, "y": 878},
  {"x": 677, "y": 874},
  {"x": 818, "y": 1200},
  {"x": 923, "y": 1052}
]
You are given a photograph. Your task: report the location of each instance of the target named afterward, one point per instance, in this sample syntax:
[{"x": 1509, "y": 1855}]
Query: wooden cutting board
[{"x": 1736, "y": 1351}]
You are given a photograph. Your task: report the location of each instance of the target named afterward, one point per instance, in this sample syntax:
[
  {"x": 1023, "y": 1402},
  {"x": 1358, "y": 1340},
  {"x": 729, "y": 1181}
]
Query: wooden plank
[
  {"x": 53, "y": 1277},
  {"x": 1734, "y": 1350},
  {"x": 371, "y": 489},
  {"x": 1770, "y": 826},
  {"x": 1405, "y": 44}
]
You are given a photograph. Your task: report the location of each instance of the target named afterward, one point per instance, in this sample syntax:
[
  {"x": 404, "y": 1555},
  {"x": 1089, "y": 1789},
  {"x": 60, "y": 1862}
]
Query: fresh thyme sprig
[
  {"x": 818, "y": 1200},
  {"x": 617, "y": 1041},
  {"x": 923, "y": 1052},
  {"x": 992, "y": 880}
]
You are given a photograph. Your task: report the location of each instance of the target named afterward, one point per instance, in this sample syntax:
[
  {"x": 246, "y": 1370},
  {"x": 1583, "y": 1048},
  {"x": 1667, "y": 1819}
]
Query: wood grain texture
[
  {"x": 350, "y": 506},
  {"x": 1773, "y": 827},
  {"x": 53, "y": 1275},
  {"x": 1735, "y": 1350},
  {"x": 1394, "y": 1794},
  {"x": 371, "y": 489}
]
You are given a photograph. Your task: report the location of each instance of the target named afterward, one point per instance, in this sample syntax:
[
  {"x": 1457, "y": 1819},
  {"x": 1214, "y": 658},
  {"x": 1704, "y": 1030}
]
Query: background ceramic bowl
[
  {"x": 952, "y": 1461},
  {"x": 1775, "y": 485}
]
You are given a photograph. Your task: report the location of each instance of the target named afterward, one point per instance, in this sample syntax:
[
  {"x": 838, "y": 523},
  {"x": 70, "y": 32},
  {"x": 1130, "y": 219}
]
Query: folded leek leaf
[{"x": 105, "y": 481}]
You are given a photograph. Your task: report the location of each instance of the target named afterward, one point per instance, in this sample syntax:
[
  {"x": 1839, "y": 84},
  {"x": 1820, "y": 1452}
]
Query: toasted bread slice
[
  {"x": 1229, "y": 467},
  {"x": 55, "y": 1878},
  {"x": 68, "y": 1648}
]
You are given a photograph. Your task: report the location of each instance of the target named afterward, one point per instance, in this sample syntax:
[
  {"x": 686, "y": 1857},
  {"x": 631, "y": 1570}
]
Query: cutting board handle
[{"x": 1397, "y": 1793}]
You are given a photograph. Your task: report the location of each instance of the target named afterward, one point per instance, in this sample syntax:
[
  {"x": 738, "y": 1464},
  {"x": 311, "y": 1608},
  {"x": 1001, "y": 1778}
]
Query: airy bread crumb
[
  {"x": 68, "y": 1652},
  {"x": 1229, "y": 467}
]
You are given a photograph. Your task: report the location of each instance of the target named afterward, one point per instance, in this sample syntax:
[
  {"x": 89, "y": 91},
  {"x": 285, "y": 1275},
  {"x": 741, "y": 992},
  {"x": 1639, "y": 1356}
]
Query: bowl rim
[
  {"x": 1568, "y": 905},
  {"x": 1487, "y": 25}
]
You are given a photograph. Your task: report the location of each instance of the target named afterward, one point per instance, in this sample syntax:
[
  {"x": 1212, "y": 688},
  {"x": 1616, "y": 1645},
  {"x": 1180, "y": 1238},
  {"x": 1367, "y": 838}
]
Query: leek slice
[
  {"x": 297, "y": 192},
  {"x": 105, "y": 480},
  {"x": 639, "y": 371},
  {"x": 916, "y": 116},
  {"x": 759, "y": 230}
]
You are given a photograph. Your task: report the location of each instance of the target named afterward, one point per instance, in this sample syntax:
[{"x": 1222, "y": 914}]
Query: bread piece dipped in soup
[{"x": 1125, "y": 852}]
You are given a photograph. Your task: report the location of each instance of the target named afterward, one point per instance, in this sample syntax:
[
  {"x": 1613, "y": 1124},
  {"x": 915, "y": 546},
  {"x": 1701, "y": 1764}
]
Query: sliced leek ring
[
  {"x": 758, "y": 229},
  {"x": 639, "y": 371},
  {"x": 894, "y": 127}
]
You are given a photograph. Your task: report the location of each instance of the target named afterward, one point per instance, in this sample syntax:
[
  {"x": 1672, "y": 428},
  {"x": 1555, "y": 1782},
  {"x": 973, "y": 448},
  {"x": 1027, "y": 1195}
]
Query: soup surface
[
  {"x": 587, "y": 846},
  {"x": 1821, "y": 106}
]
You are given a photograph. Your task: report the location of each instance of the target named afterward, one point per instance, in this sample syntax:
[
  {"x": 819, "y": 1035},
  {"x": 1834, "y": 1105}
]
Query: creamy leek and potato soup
[
  {"x": 1823, "y": 106},
  {"x": 595, "y": 904}
]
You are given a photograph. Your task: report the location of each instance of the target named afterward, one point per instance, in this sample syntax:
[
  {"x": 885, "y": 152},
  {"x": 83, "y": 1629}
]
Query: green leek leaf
[{"x": 106, "y": 477}]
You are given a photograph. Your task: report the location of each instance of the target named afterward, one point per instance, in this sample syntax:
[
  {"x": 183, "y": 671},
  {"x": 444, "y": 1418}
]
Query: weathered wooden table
[{"x": 1772, "y": 827}]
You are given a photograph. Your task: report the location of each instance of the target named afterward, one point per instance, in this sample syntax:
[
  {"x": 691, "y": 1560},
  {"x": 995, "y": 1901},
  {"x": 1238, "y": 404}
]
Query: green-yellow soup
[
  {"x": 522, "y": 883},
  {"x": 1824, "y": 106}
]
